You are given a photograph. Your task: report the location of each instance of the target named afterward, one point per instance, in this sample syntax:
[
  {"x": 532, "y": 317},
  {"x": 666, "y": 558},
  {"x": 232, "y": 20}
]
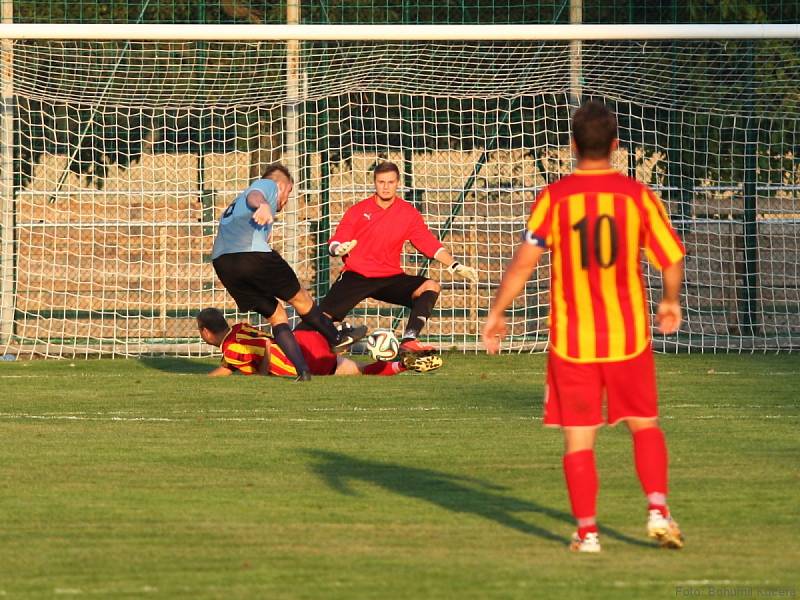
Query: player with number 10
[{"x": 595, "y": 223}]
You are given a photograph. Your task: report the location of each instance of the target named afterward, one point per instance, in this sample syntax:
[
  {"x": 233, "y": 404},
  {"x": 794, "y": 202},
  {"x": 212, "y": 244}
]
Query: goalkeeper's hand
[
  {"x": 342, "y": 248},
  {"x": 463, "y": 271}
]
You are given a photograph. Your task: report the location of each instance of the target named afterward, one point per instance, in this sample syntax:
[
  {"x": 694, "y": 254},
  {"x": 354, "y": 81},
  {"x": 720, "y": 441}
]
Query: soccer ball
[{"x": 382, "y": 344}]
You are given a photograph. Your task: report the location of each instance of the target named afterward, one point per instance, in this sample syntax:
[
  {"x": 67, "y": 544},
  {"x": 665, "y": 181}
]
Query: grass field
[{"x": 145, "y": 479}]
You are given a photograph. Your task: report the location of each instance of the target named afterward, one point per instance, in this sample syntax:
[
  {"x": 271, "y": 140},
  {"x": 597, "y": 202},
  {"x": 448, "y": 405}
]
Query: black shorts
[
  {"x": 351, "y": 288},
  {"x": 256, "y": 279}
]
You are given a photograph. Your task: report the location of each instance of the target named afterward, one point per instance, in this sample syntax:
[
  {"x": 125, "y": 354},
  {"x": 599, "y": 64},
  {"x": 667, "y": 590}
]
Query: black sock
[
  {"x": 322, "y": 323},
  {"x": 285, "y": 339},
  {"x": 420, "y": 312}
]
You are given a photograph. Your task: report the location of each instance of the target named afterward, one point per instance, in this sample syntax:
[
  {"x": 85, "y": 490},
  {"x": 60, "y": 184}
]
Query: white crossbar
[{"x": 50, "y": 31}]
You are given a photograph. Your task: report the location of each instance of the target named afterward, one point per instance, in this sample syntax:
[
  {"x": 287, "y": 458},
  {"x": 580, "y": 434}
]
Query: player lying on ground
[
  {"x": 256, "y": 276},
  {"x": 370, "y": 239},
  {"x": 250, "y": 351},
  {"x": 595, "y": 223}
]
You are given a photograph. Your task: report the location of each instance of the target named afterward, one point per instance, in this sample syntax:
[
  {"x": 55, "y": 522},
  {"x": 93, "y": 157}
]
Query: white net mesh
[{"x": 125, "y": 153}]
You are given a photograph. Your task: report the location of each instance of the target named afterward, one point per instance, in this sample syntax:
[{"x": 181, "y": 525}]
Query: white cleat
[
  {"x": 589, "y": 543},
  {"x": 664, "y": 530}
]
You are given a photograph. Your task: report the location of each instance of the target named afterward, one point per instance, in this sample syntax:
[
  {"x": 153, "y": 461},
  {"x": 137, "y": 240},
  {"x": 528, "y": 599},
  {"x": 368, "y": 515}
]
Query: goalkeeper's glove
[
  {"x": 463, "y": 271},
  {"x": 341, "y": 248}
]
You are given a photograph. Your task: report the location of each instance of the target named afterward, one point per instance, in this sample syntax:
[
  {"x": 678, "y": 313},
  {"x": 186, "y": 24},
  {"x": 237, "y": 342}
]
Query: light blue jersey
[{"x": 237, "y": 230}]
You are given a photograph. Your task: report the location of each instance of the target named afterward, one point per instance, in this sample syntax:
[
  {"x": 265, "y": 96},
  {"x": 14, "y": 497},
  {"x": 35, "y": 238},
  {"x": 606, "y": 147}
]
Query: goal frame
[{"x": 576, "y": 32}]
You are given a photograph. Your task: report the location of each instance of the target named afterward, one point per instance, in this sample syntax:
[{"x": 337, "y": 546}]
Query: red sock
[
  {"x": 581, "y": 475},
  {"x": 384, "y": 368},
  {"x": 650, "y": 454}
]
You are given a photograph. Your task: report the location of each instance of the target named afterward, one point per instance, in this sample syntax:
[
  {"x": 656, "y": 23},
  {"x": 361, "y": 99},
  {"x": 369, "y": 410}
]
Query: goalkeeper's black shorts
[{"x": 351, "y": 288}]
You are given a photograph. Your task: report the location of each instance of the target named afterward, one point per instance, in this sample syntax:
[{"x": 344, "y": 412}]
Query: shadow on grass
[
  {"x": 452, "y": 492},
  {"x": 174, "y": 364}
]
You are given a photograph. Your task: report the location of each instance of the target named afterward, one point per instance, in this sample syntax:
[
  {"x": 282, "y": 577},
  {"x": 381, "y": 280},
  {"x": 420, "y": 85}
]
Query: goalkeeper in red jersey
[
  {"x": 595, "y": 223},
  {"x": 250, "y": 351},
  {"x": 370, "y": 239}
]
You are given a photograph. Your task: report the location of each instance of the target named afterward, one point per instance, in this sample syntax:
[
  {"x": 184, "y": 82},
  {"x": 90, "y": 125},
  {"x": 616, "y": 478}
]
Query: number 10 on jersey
[{"x": 605, "y": 241}]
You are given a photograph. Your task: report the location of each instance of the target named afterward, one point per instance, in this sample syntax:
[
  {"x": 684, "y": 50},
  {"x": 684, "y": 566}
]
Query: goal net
[{"x": 119, "y": 157}]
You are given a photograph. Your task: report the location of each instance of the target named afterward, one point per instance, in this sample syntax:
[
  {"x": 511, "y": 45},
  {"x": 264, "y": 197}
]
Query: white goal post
[{"x": 122, "y": 144}]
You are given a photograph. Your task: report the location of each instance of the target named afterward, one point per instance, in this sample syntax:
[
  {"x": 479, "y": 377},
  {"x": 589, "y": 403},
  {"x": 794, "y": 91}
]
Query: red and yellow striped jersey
[
  {"x": 596, "y": 223},
  {"x": 245, "y": 347}
]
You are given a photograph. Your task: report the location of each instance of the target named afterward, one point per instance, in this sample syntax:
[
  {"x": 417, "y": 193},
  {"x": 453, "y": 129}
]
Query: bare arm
[
  {"x": 455, "y": 267},
  {"x": 263, "y": 366},
  {"x": 668, "y": 315},
  {"x": 444, "y": 257},
  {"x": 672, "y": 278},
  {"x": 263, "y": 212},
  {"x": 517, "y": 274},
  {"x": 256, "y": 200}
]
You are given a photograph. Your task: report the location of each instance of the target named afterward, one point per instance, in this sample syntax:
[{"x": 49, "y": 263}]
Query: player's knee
[
  {"x": 638, "y": 424},
  {"x": 268, "y": 310},
  {"x": 429, "y": 286},
  {"x": 301, "y": 301},
  {"x": 577, "y": 439},
  {"x": 277, "y": 317}
]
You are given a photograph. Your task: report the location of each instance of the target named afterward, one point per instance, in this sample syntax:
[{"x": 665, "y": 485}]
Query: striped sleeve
[
  {"x": 661, "y": 243},
  {"x": 538, "y": 229},
  {"x": 237, "y": 357}
]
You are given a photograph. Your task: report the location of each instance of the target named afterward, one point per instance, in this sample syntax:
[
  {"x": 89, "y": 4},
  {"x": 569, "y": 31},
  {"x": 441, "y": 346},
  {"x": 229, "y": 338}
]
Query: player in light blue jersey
[
  {"x": 239, "y": 228},
  {"x": 257, "y": 276}
]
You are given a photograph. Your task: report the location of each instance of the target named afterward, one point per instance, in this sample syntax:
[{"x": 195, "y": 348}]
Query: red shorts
[
  {"x": 317, "y": 352},
  {"x": 574, "y": 391}
]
